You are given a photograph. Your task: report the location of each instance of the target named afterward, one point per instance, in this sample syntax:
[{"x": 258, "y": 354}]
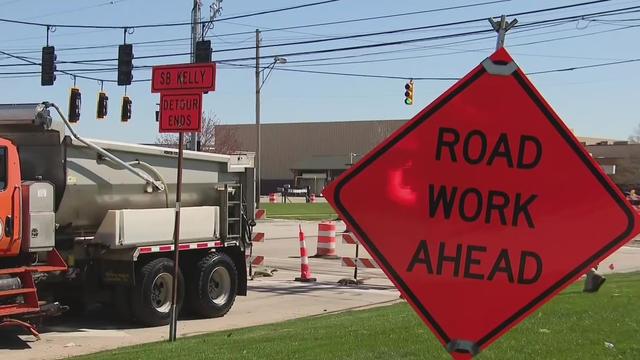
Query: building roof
[{"x": 322, "y": 162}]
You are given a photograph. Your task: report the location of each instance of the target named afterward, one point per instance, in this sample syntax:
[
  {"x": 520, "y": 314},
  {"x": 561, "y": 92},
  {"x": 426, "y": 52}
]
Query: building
[
  {"x": 313, "y": 153},
  {"x": 621, "y": 160}
]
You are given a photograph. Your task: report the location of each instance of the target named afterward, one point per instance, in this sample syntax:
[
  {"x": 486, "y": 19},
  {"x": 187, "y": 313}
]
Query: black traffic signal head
[
  {"x": 103, "y": 101},
  {"x": 48, "y": 67},
  {"x": 125, "y": 113},
  {"x": 408, "y": 93},
  {"x": 203, "y": 51},
  {"x": 125, "y": 64},
  {"x": 75, "y": 101}
]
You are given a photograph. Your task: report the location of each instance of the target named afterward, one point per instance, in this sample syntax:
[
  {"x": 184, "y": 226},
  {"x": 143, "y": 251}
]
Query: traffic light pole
[{"x": 258, "y": 134}]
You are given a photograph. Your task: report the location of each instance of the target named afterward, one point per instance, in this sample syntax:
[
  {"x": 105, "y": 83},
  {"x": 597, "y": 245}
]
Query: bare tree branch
[{"x": 225, "y": 143}]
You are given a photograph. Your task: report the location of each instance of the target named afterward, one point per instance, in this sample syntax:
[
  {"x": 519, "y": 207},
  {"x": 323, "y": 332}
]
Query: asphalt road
[{"x": 271, "y": 299}]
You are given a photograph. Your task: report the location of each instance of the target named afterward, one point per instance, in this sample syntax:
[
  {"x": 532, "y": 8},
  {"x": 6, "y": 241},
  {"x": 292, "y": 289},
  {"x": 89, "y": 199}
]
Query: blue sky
[{"x": 601, "y": 101}]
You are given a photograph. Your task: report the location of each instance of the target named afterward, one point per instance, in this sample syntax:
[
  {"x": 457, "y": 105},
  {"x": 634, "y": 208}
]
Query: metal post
[
  {"x": 355, "y": 269},
  {"x": 195, "y": 36},
  {"x": 176, "y": 241},
  {"x": 258, "y": 135},
  {"x": 501, "y": 27}
]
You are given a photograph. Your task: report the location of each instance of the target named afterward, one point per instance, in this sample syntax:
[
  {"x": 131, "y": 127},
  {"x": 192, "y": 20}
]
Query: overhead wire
[
  {"x": 160, "y": 25},
  {"x": 377, "y": 33},
  {"x": 357, "y": 47},
  {"x": 537, "y": 11}
]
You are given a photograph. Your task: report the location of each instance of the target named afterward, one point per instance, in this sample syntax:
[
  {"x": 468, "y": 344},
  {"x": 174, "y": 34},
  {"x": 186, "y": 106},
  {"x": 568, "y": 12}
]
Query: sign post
[
  {"x": 180, "y": 87},
  {"x": 176, "y": 244},
  {"x": 487, "y": 207}
]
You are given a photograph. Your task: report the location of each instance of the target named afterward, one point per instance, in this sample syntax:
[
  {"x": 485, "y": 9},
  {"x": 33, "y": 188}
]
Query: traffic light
[
  {"x": 408, "y": 93},
  {"x": 203, "y": 51},
  {"x": 48, "y": 67},
  {"x": 75, "y": 101},
  {"x": 125, "y": 64},
  {"x": 103, "y": 100},
  {"x": 125, "y": 113}
]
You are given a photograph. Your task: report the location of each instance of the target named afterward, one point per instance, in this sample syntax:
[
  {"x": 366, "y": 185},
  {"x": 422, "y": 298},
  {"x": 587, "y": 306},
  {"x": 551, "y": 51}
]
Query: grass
[
  {"x": 574, "y": 325},
  {"x": 300, "y": 211}
]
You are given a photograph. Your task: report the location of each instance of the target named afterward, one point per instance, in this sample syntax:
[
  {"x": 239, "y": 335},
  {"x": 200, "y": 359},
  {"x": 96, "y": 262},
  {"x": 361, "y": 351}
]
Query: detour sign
[
  {"x": 180, "y": 112},
  {"x": 485, "y": 207}
]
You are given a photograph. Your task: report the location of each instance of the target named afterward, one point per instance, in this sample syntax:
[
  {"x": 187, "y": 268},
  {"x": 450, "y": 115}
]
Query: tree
[{"x": 224, "y": 143}]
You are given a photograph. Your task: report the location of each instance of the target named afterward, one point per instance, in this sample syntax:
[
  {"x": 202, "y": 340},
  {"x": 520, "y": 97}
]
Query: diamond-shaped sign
[{"x": 482, "y": 207}]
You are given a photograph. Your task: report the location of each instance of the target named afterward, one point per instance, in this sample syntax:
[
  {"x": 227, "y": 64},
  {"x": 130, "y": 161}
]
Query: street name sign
[
  {"x": 482, "y": 207},
  {"x": 180, "y": 112},
  {"x": 183, "y": 77}
]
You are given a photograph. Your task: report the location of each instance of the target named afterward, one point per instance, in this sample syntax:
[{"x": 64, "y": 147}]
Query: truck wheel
[
  {"x": 212, "y": 289},
  {"x": 152, "y": 294}
]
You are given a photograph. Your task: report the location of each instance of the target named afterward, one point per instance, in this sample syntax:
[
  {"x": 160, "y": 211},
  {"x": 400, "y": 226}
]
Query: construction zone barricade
[
  {"x": 256, "y": 238},
  {"x": 359, "y": 262},
  {"x": 355, "y": 262},
  {"x": 305, "y": 269},
  {"x": 327, "y": 241},
  {"x": 255, "y": 260}
]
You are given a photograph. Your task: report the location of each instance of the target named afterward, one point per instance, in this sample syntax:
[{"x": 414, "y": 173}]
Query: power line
[
  {"x": 62, "y": 71},
  {"x": 373, "y": 76},
  {"x": 399, "y": 42},
  {"x": 79, "y": 26},
  {"x": 313, "y": 62},
  {"x": 349, "y": 21},
  {"x": 556, "y": 8},
  {"x": 395, "y": 77},
  {"x": 350, "y": 48},
  {"x": 440, "y": 37},
  {"x": 283, "y": 28}
]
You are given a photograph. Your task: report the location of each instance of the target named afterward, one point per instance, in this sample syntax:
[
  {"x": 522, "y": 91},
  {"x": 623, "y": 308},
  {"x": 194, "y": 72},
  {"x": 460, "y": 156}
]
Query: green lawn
[
  {"x": 572, "y": 326},
  {"x": 300, "y": 211}
]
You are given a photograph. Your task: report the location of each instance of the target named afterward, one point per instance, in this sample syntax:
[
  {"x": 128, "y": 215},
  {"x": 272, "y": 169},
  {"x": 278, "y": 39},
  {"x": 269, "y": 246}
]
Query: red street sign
[
  {"x": 180, "y": 112},
  {"x": 183, "y": 78},
  {"x": 483, "y": 207}
]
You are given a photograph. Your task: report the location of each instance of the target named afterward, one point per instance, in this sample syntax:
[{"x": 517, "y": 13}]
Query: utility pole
[
  {"x": 258, "y": 135},
  {"x": 195, "y": 36}
]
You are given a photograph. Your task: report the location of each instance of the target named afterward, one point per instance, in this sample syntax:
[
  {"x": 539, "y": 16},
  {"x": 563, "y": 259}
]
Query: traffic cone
[{"x": 305, "y": 270}]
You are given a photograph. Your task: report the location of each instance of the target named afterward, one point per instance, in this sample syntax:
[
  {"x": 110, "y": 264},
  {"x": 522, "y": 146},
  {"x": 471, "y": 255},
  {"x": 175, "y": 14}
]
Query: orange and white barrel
[
  {"x": 273, "y": 198},
  {"x": 326, "y": 240}
]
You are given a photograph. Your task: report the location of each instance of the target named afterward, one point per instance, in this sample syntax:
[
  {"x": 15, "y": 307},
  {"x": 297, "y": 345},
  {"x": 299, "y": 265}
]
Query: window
[{"x": 3, "y": 168}]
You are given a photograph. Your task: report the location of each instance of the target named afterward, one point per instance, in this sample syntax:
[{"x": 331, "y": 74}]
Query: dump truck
[{"x": 87, "y": 222}]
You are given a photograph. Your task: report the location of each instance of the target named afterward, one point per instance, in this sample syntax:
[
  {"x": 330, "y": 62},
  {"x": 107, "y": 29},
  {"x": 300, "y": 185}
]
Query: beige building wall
[
  {"x": 625, "y": 157},
  {"x": 286, "y": 144}
]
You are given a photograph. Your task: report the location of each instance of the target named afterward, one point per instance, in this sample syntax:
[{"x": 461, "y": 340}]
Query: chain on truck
[{"x": 86, "y": 222}]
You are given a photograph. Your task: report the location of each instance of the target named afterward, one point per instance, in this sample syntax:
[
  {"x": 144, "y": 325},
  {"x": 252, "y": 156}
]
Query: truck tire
[
  {"x": 151, "y": 298},
  {"x": 213, "y": 286}
]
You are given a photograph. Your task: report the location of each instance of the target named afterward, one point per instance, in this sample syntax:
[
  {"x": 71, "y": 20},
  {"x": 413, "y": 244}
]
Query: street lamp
[{"x": 261, "y": 78}]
